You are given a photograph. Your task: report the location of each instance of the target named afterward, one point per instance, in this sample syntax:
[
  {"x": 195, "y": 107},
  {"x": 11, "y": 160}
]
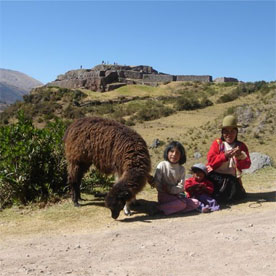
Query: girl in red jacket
[
  {"x": 201, "y": 188},
  {"x": 227, "y": 157}
]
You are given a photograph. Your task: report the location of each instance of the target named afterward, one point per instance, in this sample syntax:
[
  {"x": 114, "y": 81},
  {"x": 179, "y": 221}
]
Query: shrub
[
  {"x": 204, "y": 101},
  {"x": 72, "y": 112},
  {"x": 32, "y": 164},
  {"x": 94, "y": 179},
  {"x": 230, "y": 110},
  {"x": 243, "y": 90},
  {"x": 186, "y": 103},
  {"x": 229, "y": 97},
  {"x": 130, "y": 122},
  {"x": 152, "y": 110},
  {"x": 104, "y": 109}
]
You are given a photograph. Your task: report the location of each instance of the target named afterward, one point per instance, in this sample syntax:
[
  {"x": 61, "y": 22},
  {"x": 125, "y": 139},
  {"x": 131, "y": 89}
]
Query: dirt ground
[{"x": 237, "y": 240}]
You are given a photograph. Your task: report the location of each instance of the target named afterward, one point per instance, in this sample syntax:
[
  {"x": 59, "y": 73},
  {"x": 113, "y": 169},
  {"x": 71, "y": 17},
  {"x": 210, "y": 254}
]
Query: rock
[
  {"x": 245, "y": 115},
  {"x": 258, "y": 161},
  {"x": 155, "y": 143},
  {"x": 197, "y": 155}
]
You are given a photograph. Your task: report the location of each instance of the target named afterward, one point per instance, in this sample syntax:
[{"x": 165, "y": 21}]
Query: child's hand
[
  {"x": 203, "y": 188},
  {"x": 233, "y": 152},
  {"x": 236, "y": 151},
  {"x": 192, "y": 188},
  {"x": 241, "y": 156},
  {"x": 197, "y": 187}
]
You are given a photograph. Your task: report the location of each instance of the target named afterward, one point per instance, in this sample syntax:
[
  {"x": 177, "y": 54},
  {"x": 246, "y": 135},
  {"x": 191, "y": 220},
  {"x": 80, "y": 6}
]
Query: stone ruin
[
  {"x": 105, "y": 77},
  {"x": 225, "y": 79}
]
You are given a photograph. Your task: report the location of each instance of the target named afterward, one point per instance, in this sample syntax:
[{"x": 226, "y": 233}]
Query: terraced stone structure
[
  {"x": 226, "y": 79},
  {"x": 109, "y": 77}
]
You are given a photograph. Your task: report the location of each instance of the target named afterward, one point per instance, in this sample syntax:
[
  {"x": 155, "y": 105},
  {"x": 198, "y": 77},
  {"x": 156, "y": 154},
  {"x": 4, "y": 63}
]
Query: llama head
[{"x": 116, "y": 200}]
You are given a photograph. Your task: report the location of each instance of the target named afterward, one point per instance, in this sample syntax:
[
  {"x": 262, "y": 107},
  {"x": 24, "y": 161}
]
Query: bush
[
  {"x": 229, "y": 97},
  {"x": 152, "y": 110},
  {"x": 72, "y": 112},
  {"x": 95, "y": 180},
  {"x": 191, "y": 103},
  {"x": 204, "y": 101},
  {"x": 243, "y": 90},
  {"x": 32, "y": 164}
]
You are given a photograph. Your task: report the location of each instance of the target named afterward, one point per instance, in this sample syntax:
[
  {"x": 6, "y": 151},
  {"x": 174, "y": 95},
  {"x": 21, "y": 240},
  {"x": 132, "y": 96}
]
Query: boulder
[
  {"x": 258, "y": 161},
  {"x": 155, "y": 144}
]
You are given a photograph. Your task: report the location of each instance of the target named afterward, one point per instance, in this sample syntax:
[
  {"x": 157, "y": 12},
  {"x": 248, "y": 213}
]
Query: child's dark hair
[{"x": 175, "y": 144}]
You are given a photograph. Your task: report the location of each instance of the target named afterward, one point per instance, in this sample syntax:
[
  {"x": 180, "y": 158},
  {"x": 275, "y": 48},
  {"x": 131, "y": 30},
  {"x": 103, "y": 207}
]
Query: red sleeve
[
  {"x": 188, "y": 184},
  {"x": 209, "y": 186},
  {"x": 246, "y": 163},
  {"x": 215, "y": 157}
]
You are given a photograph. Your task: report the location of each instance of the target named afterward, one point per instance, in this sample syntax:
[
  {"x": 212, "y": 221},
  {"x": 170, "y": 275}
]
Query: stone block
[
  {"x": 157, "y": 78},
  {"x": 203, "y": 78},
  {"x": 131, "y": 74},
  {"x": 113, "y": 86},
  {"x": 225, "y": 79}
]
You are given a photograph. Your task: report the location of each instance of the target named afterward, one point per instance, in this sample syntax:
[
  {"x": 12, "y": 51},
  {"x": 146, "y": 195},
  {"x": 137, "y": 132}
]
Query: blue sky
[{"x": 219, "y": 38}]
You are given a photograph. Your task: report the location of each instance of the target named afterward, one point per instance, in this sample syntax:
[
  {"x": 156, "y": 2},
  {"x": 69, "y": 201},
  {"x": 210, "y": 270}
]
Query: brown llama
[{"x": 113, "y": 149}]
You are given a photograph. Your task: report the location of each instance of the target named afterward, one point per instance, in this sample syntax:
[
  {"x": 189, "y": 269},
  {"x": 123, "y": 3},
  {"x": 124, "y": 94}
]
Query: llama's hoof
[{"x": 76, "y": 204}]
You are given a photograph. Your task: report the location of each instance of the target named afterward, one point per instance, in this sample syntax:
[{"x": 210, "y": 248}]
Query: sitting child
[
  {"x": 200, "y": 188},
  {"x": 169, "y": 180}
]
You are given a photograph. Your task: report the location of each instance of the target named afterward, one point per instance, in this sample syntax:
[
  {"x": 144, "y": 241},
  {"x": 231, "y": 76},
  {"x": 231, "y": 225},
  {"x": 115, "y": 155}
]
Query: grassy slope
[{"x": 189, "y": 127}]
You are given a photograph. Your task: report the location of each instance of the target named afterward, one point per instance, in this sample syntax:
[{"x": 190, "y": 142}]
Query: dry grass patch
[{"x": 93, "y": 216}]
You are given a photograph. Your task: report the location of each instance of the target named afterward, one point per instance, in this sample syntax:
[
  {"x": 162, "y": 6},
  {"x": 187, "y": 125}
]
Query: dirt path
[{"x": 236, "y": 241}]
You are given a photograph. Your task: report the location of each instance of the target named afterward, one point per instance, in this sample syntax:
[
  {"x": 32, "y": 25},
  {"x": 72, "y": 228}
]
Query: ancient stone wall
[
  {"x": 157, "y": 78},
  {"x": 225, "y": 79},
  {"x": 194, "y": 78},
  {"x": 106, "y": 77}
]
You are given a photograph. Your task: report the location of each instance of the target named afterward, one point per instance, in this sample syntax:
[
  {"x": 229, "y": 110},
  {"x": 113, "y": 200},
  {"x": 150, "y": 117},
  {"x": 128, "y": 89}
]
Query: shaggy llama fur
[{"x": 113, "y": 149}]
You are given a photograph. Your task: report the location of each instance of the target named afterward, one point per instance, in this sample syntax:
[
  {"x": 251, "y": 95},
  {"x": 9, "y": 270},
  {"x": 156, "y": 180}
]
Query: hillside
[
  {"x": 186, "y": 111},
  {"x": 13, "y": 85}
]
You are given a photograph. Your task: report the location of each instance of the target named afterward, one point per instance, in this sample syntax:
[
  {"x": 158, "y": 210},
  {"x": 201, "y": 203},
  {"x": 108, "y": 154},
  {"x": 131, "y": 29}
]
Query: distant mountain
[{"x": 13, "y": 85}]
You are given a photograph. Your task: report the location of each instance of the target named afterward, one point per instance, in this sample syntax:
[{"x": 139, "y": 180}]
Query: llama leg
[
  {"x": 73, "y": 182},
  {"x": 83, "y": 168},
  {"x": 76, "y": 172},
  {"x": 75, "y": 193},
  {"x": 127, "y": 210}
]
